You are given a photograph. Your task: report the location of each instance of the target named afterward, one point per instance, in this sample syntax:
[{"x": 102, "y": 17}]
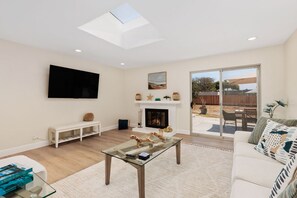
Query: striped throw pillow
[
  {"x": 290, "y": 191},
  {"x": 285, "y": 181}
]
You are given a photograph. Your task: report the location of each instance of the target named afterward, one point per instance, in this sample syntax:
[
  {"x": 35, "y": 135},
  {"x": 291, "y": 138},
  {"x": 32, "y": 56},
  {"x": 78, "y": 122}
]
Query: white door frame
[{"x": 221, "y": 70}]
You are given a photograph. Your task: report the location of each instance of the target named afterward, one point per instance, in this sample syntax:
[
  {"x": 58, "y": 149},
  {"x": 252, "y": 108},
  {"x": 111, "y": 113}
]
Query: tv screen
[{"x": 72, "y": 83}]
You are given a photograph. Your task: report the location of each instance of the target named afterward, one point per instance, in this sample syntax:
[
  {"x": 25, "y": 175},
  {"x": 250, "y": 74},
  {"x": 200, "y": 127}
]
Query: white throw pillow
[
  {"x": 285, "y": 177},
  {"x": 278, "y": 141}
]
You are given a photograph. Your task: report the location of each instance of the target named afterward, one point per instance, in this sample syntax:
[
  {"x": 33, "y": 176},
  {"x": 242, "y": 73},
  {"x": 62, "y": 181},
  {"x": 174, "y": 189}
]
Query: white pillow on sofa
[{"x": 278, "y": 141}]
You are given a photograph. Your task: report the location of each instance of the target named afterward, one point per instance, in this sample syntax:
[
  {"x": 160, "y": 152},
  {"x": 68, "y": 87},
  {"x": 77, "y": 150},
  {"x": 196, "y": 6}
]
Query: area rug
[{"x": 203, "y": 173}]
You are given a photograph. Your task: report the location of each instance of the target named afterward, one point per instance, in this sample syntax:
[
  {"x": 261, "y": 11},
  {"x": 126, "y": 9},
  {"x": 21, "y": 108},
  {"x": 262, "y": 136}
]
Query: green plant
[{"x": 270, "y": 108}]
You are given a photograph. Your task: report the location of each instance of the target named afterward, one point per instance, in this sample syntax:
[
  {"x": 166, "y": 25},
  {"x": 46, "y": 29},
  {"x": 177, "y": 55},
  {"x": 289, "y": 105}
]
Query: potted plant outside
[{"x": 203, "y": 109}]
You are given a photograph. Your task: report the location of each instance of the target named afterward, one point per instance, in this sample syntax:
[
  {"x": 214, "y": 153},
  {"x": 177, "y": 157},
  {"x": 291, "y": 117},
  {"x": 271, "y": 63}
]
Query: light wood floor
[{"x": 74, "y": 156}]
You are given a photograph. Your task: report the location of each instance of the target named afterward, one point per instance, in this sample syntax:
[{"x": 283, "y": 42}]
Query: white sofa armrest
[{"x": 241, "y": 136}]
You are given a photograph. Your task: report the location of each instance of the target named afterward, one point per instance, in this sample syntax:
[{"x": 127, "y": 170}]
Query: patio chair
[
  {"x": 251, "y": 115},
  {"x": 229, "y": 117}
]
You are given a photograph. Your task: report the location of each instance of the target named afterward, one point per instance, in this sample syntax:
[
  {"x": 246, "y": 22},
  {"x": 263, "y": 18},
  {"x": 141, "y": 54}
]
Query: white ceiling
[{"x": 190, "y": 28}]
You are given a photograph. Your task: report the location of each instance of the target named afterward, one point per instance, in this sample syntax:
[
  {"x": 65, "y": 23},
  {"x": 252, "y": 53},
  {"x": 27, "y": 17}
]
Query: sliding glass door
[
  {"x": 239, "y": 100},
  {"x": 224, "y": 101},
  {"x": 205, "y": 103}
]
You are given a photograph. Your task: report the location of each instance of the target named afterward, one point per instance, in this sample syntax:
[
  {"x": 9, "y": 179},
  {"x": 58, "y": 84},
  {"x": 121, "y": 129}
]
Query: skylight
[
  {"x": 125, "y": 13},
  {"x": 124, "y": 27}
]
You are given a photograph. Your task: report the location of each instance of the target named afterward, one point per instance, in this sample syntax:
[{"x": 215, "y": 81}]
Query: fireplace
[
  {"x": 156, "y": 118},
  {"x": 145, "y": 125}
]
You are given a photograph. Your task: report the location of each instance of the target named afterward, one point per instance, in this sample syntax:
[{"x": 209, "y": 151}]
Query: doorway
[{"x": 224, "y": 100}]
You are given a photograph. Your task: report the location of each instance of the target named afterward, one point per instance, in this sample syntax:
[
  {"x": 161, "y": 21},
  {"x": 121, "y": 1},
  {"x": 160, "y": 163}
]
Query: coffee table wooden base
[
  {"x": 141, "y": 179},
  {"x": 177, "y": 147},
  {"x": 140, "y": 171},
  {"x": 107, "y": 168}
]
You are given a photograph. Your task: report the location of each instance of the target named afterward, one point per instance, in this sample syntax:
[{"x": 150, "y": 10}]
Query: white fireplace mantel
[
  {"x": 170, "y": 105},
  {"x": 158, "y": 102}
]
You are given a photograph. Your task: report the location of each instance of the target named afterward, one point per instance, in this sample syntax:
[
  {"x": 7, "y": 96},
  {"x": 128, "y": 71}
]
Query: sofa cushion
[
  {"x": 244, "y": 189},
  {"x": 285, "y": 177},
  {"x": 257, "y": 171},
  {"x": 247, "y": 150},
  {"x": 278, "y": 141},
  {"x": 261, "y": 124},
  {"x": 240, "y": 136}
]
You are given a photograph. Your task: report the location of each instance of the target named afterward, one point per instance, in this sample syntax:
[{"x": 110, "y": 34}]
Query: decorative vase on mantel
[
  {"x": 138, "y": 96},
  {"x": 175, "y": 96}
]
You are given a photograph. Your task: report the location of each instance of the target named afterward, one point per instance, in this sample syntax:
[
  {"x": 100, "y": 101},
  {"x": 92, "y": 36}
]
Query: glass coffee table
[
  {"x": 38, "y": 188},
  {"x": 126, "y": 152}
]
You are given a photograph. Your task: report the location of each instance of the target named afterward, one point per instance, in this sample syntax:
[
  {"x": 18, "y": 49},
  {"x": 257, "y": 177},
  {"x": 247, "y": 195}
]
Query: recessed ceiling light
[
  {"x": 78, "y": 50},
  {"x": 252, "y": 38},
  {"x": 122, "y": 64}
]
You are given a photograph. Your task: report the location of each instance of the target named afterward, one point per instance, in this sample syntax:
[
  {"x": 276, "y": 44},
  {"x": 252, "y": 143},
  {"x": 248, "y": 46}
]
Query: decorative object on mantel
[
  {"x": 88, "y": 117},
  {"x": 270, "y": 108},
  {"x": 157, "y": 80},
  {"x": 167, "y": 97},
  {"x": 139, "y": 141},
  {"x": 175, "y": 96},
  {"x": 138, "y": 96},
  {"x": 150, "y": 97},
  {"x": 157, "y": 99}
]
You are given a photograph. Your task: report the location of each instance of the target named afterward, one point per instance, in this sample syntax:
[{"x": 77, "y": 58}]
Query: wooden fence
[{"x": 228, "y": 100}]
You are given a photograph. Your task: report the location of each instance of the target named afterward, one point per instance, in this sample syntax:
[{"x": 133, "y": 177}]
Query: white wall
[
  {"x": 291, "y": 71},
  {"x": 178, "y": 79},
  {"x": 25, "y": 110}
]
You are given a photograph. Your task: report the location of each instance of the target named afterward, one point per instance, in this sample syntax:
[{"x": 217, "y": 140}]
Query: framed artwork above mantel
[{"x": 157, "y": 80}]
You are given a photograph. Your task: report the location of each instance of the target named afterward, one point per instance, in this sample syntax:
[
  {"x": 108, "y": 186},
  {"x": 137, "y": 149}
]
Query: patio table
[{"x": 243, "y": 118}]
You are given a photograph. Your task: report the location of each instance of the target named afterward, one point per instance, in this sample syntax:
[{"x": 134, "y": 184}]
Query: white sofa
[{"x": 253, "y": 174}]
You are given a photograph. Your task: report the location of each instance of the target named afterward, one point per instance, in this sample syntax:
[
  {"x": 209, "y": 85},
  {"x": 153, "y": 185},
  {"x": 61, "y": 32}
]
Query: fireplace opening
[{"x": 156, "y": 118}]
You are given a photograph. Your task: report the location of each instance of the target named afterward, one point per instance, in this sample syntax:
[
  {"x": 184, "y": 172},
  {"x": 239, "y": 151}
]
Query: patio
[{"x": 210, "y": 123}]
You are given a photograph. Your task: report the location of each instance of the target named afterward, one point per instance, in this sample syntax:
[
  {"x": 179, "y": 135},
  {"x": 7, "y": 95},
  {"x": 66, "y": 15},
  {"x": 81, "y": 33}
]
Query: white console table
[{"x": 54, "y": 132}]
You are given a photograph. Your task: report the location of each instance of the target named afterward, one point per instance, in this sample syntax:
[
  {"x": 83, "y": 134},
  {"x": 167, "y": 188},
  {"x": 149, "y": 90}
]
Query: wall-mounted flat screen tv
[{"x": 71, "y": 83}]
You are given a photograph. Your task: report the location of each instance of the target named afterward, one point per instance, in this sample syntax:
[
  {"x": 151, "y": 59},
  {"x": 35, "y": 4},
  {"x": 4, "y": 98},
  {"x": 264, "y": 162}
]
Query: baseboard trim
[
  {"x": 43, "y": 143},
  {"x": 183, "y": 131},
  {"x": 108, "y": 128},
  {"x": 22, "y": 148},
  {"x": 133, "y": 125}
]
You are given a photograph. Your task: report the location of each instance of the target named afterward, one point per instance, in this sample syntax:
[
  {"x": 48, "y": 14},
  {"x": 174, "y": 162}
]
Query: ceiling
[{"x": 189, "y": 28}]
